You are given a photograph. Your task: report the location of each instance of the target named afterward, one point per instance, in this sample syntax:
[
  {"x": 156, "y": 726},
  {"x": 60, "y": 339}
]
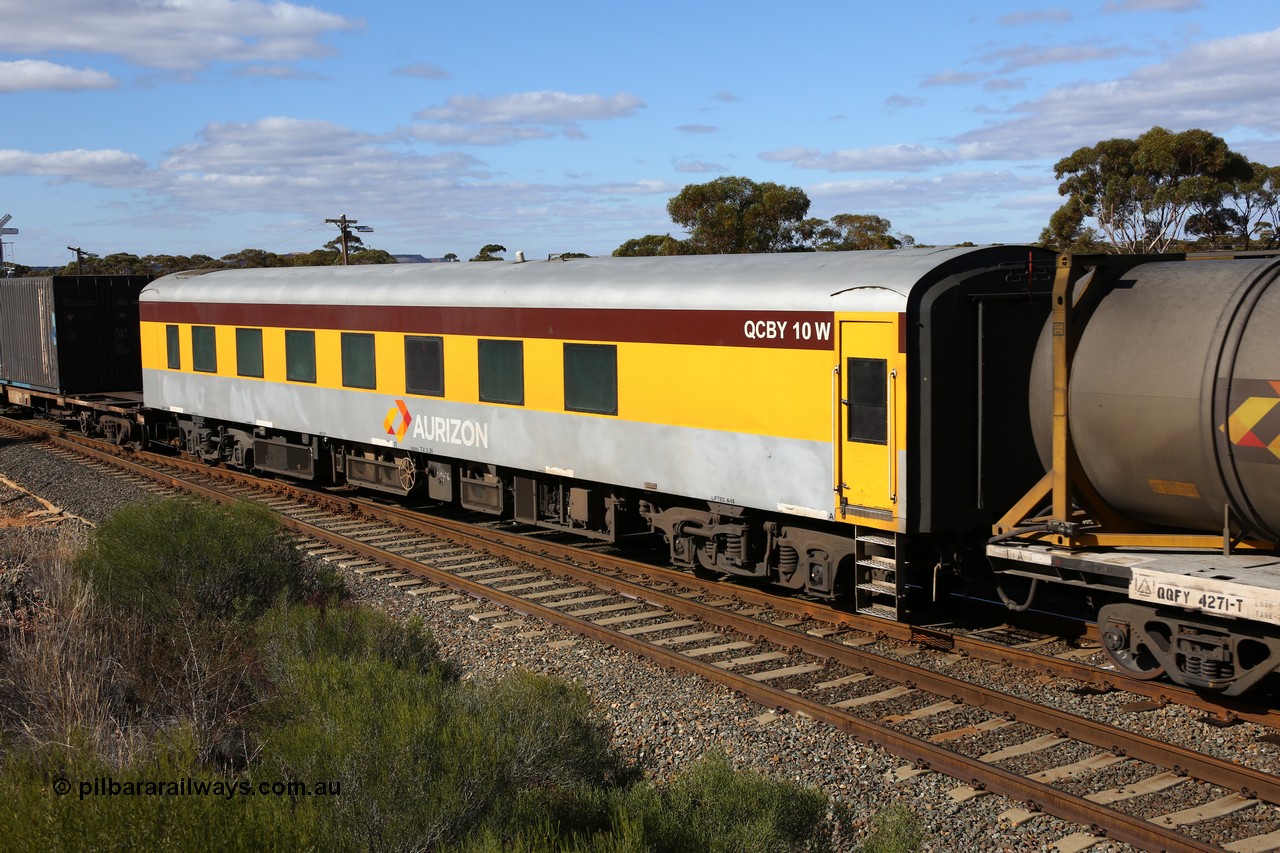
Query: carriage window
[
  {"x": 591, "y": 378},
  {"x": 204, "y": 349},
  {"x": 300, "y": 356},
  {"x": 249, "y": 352},
  {"x": 868, "y": 412},
  {"x": 171, "y": 344},
  {"x": 358, "y": 361},
  {"x": 424, "y": 366},
  {"x": 501, "y": 371}
]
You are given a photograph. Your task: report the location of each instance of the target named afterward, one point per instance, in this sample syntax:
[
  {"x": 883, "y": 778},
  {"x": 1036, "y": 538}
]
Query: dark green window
[
  {"x": 299, "y": 356},
  {"x": 424, "y": 366},
  {"x": 171, "y": 344},
  {"x": 591, "y": 378},
  {"x": 868, "y": 409},
  {"x": 249, "y": 352},
  {"x": 358, "y": 361},
  {"x": 501, "y": 371},
  {"x": 204, "y": 349}
]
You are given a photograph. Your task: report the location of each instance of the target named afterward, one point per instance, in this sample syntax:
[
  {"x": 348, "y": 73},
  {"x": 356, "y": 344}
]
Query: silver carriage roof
[{"x": 810, "y": 281}]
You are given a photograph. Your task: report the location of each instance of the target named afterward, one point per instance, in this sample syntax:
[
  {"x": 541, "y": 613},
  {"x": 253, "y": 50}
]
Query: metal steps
[{"x": 878, "y": 584}]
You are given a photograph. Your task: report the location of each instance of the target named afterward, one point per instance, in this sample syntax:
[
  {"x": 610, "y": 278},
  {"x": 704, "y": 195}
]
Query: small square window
[
  {"x": 868, "y": 392},
  {"x": 300, "y": 355},
  {"x": 591, "y": 378},
  {"x": 358, "y": 361},
  {"x": 249, "y": 352},
  {"x": 173, "y": 348},
  {"x": 204, "y": 349},
  {"x": 424, "y": 366},
  {"x": 501, "y": 371}
]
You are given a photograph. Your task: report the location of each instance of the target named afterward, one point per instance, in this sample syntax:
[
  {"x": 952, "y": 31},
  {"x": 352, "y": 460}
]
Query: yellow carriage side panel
[
  {"x": 389, "y": 356},
  {"x": 273, "y": 359},
  {"x": 760, "y": 391},
  {"x": 781, "y": 392},
  {"x": 544, "y": 375},
  {"x": 225, "y": 341},
  {"x": 154, "y": 346},
  {"x": 461, "y": 374}
]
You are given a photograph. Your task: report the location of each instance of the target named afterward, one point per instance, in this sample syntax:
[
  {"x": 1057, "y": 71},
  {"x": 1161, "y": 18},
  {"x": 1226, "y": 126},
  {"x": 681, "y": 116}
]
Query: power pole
[
  {"x": 346, "y": 226},
  {"x": 81, "y": 254}
]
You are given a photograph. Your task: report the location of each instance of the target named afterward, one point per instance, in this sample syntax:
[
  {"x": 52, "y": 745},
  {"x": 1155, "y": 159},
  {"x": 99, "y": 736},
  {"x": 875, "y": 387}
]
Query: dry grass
[{"x": 59, "y": 659}]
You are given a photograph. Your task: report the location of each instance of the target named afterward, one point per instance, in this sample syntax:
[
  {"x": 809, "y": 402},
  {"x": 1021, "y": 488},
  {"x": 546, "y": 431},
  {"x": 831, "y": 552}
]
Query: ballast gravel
[{"x": 666, "y": 721}]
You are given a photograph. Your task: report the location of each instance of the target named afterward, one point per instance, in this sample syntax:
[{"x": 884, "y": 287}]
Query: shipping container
[{"x": 71, "y": 334}]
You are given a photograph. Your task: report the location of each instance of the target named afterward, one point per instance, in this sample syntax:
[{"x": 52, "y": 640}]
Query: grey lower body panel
[{"x": 763, "y": 472}]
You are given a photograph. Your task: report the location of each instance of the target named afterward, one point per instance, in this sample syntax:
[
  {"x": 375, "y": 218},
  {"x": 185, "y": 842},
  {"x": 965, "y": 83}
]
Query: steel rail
[
  {"x": 1249, "y": 782},
  {"x": 1225, "y": 708},
  {"x": 1039, "y": 795},
  {"x": 1179, "y": 759}
]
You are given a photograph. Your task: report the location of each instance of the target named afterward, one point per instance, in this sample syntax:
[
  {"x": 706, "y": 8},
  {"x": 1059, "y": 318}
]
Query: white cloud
[
  {"x": 1043, "y": 16},
  {"x": 533, "y": 107},
  {"x": 467, "y": 134},
  {"x": 904, "y": 158},
  {"x": 25, "y": 75},
  {"x": 1030, "y": 55},
  {"x": 1216, "y": 85},
  {"x": 1152, "y": 6},
  {"x": 1004, "y": 84},
  {"x": 920, "y": 193},
  {"x": 518, "y": 117},
  {"x": 898, "y": 102},
  {"x": 302, "y": 156},
  {"x": 951, "y": 78},
  {"x": 698, "y": 128},
  {"x": 276, "y": 72},
  {"x": 103, "y": 167},
  {"x": 170, "y": 34},
  {"x": 698, "y": 167},
  {"x": 425, "y": 70},
  {"x": 644, "y": 187}
]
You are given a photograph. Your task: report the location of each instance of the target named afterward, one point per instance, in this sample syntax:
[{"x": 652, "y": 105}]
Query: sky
[{"x": 210, "y": 126}]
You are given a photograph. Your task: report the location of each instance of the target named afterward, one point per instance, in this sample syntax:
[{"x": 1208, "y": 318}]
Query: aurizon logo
[{"x": 399, "y": 412}]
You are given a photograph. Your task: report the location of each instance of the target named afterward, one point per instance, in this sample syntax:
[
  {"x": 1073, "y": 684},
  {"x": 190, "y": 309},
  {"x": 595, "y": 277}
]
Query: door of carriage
[{"x": 870, "y": 407}]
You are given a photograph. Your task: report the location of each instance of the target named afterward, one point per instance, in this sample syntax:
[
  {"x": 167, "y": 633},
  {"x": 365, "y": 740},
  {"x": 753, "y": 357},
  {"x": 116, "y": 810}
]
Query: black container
[{"x": 71, "y": 334}]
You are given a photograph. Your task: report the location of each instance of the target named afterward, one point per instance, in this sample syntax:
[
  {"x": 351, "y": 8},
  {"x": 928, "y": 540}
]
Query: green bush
[
  {"x": 187, "y": 641},
  {"x": 288, "y": 634},
  {"x": 424, "y": 762},
  {"x": 177, "y": 584},
  {"x": 894, "y": 830},
  {"x": 139, "y": 814},
  {"x": 181, "y": 560},
  {"x": 710, "y": 807}
]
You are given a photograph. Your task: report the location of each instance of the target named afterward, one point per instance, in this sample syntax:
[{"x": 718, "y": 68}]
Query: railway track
[{"x": 792, "y": 657}]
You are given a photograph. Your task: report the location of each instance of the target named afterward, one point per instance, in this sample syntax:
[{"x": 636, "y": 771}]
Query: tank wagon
[
  {"x": 1156, "y": 410},
  {"x": 879, "y": 427}
]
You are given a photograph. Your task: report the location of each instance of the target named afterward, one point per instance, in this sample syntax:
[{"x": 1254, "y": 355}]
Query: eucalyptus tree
[{"x": 1140, "y": 192}]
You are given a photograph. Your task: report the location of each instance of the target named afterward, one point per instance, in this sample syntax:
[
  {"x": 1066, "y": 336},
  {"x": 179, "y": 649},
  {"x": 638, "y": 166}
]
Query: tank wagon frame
[{"x": 1200, "y": 607}]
